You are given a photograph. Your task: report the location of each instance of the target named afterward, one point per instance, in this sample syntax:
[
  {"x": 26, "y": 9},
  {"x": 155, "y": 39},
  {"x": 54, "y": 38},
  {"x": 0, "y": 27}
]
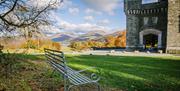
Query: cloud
[
  {"x": 55, "y": 18},
  {"x": 50, "y": 29},
  {"x": 89, "y": 18},
  {"x": 103, "y": 22},
  {"x": 92, "y": 11},
  {"x": 103, "y": 5},
  {"x": 73, "y": 10},
  {"x": 81, "y": 28}
]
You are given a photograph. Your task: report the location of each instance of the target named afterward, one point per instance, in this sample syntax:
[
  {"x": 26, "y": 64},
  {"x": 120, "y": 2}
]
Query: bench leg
[
  {"x": 65, "y": 84},
  {"x": 98, "y": 86}
]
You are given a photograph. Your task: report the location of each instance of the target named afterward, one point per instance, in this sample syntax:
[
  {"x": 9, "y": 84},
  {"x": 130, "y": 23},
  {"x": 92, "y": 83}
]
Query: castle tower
[
  {"x": 146, "y": 24},
  {"x": 132, "y": 25}
]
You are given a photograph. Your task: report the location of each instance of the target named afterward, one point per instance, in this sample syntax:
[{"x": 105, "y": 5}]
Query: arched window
[{"x": 149, "y": 1}]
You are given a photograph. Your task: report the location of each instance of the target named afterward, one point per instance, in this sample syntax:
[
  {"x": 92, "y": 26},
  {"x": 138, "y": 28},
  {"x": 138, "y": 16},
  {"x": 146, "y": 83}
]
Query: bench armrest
[{"x": 93, "y": 76}]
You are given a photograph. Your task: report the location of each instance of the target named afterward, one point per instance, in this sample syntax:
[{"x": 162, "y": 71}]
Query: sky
[{"x": 81, "y": 16}]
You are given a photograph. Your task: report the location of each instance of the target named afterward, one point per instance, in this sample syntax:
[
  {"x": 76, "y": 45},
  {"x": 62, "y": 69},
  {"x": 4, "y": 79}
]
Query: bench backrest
[{"x": 56, "y": 59}]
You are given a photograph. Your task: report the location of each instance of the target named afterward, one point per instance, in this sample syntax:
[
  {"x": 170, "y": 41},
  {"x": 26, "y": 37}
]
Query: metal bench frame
[{"x": 72, "y": 78}]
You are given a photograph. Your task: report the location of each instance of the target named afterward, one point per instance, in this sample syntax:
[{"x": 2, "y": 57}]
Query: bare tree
[{"x": 25, "y": 15}]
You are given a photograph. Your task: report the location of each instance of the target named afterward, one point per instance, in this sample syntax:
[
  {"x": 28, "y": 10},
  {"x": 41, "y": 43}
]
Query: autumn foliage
[
  {"x": 36, "y": 44},
  {"x": 41, "y": 44},
  {"x": 110, "y": 41},
  {"x": 121, "y": 40},
  {"x": 85, "y": 45}
]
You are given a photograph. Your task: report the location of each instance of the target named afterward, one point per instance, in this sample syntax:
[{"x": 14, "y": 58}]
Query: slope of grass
[{"x": 31, "y": 73}]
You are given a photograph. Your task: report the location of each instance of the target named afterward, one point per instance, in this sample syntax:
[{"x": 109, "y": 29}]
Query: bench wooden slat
[
  {"x": 56, "y": 55},
  {"x": 53, "y": 51},
  {"x": 58, "y": 69},
  {"x": 54, "y": 58},
  {"x": 78, "y": 77}
]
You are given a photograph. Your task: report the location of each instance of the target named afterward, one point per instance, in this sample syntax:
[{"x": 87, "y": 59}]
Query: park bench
[{"x": 71, "y": 77}]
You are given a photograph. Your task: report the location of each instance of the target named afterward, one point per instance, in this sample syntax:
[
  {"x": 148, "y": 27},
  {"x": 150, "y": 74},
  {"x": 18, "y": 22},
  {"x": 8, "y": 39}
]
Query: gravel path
[{"x": 120, "y": 53}]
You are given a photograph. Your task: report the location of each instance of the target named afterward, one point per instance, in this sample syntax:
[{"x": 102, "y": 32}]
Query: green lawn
[
  {"x": 31, "y": 73},
  {"x": 133, "y": 73}
]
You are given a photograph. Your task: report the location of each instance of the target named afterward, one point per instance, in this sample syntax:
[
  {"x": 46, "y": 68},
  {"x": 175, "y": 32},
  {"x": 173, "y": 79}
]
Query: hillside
[{"x": 98, "y": 35}]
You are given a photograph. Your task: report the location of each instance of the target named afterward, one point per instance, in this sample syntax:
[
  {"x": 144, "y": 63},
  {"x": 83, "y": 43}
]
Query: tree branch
[
  {"x": 3, "y": 1},
  {"x": 14, "y": 18},
  {"x": 14, "y": 5}
]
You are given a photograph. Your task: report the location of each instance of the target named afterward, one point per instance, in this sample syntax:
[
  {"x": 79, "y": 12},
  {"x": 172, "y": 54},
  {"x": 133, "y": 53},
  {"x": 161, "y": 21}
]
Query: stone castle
[{"x": 154, "y": 25}]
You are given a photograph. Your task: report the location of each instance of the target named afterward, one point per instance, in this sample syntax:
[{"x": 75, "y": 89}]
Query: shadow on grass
[{"x": 133, "y": 73}]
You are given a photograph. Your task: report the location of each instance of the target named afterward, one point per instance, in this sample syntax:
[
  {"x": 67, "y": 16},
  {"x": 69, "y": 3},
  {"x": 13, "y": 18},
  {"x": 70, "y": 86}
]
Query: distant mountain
[
  {"x": 90, "y": 35},
  {"x": 116, "y": 33},
  {"x": 60, "y": 37},
  {"x": 98, "y": 35},
  {"x": 96, "y": 32}
]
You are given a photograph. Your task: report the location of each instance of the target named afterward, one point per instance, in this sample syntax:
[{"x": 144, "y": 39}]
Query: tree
[
  {"x": 25, "y": 15},
  {"x": 110, "y": 41},
  {"x": 120, "y": 40},
  {"x": 56, "y": 45},
  {"x": 92, "y": 43}
]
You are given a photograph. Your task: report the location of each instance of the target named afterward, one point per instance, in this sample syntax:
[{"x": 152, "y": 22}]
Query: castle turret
[{"x": 132, "y": 4}]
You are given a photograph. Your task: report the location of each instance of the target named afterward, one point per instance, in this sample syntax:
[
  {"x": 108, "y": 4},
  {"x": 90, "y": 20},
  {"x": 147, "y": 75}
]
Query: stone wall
[{"x": 173, "y": 32}]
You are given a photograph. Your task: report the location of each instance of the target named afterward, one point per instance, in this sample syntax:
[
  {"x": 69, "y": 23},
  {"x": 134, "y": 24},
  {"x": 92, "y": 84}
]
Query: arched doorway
[
  {"x": 150, "y": 38},
  {"x": 150, "y": 41}
]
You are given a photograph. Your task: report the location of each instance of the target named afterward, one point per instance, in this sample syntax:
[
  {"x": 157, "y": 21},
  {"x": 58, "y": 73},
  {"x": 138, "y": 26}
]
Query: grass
[
  {"x": 27, "y": 73},
  {"x": 117, "y": 73},
  {"x": 133, "y": 73}
]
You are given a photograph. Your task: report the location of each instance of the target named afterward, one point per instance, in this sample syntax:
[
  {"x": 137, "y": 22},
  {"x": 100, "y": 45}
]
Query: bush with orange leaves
[
  {"x": 116, "y": 41},
  {"x": 56, "y": 45},
  {"x": 120, "y": 40},
  {"x": 110, "y": 41}
]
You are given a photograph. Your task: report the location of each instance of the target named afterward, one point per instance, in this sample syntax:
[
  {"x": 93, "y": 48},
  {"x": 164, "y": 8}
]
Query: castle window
[
  {"x": 154, "y": 20},
  {"x": 146, "y": 19},
  {"x": 149, "y": 1}
]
